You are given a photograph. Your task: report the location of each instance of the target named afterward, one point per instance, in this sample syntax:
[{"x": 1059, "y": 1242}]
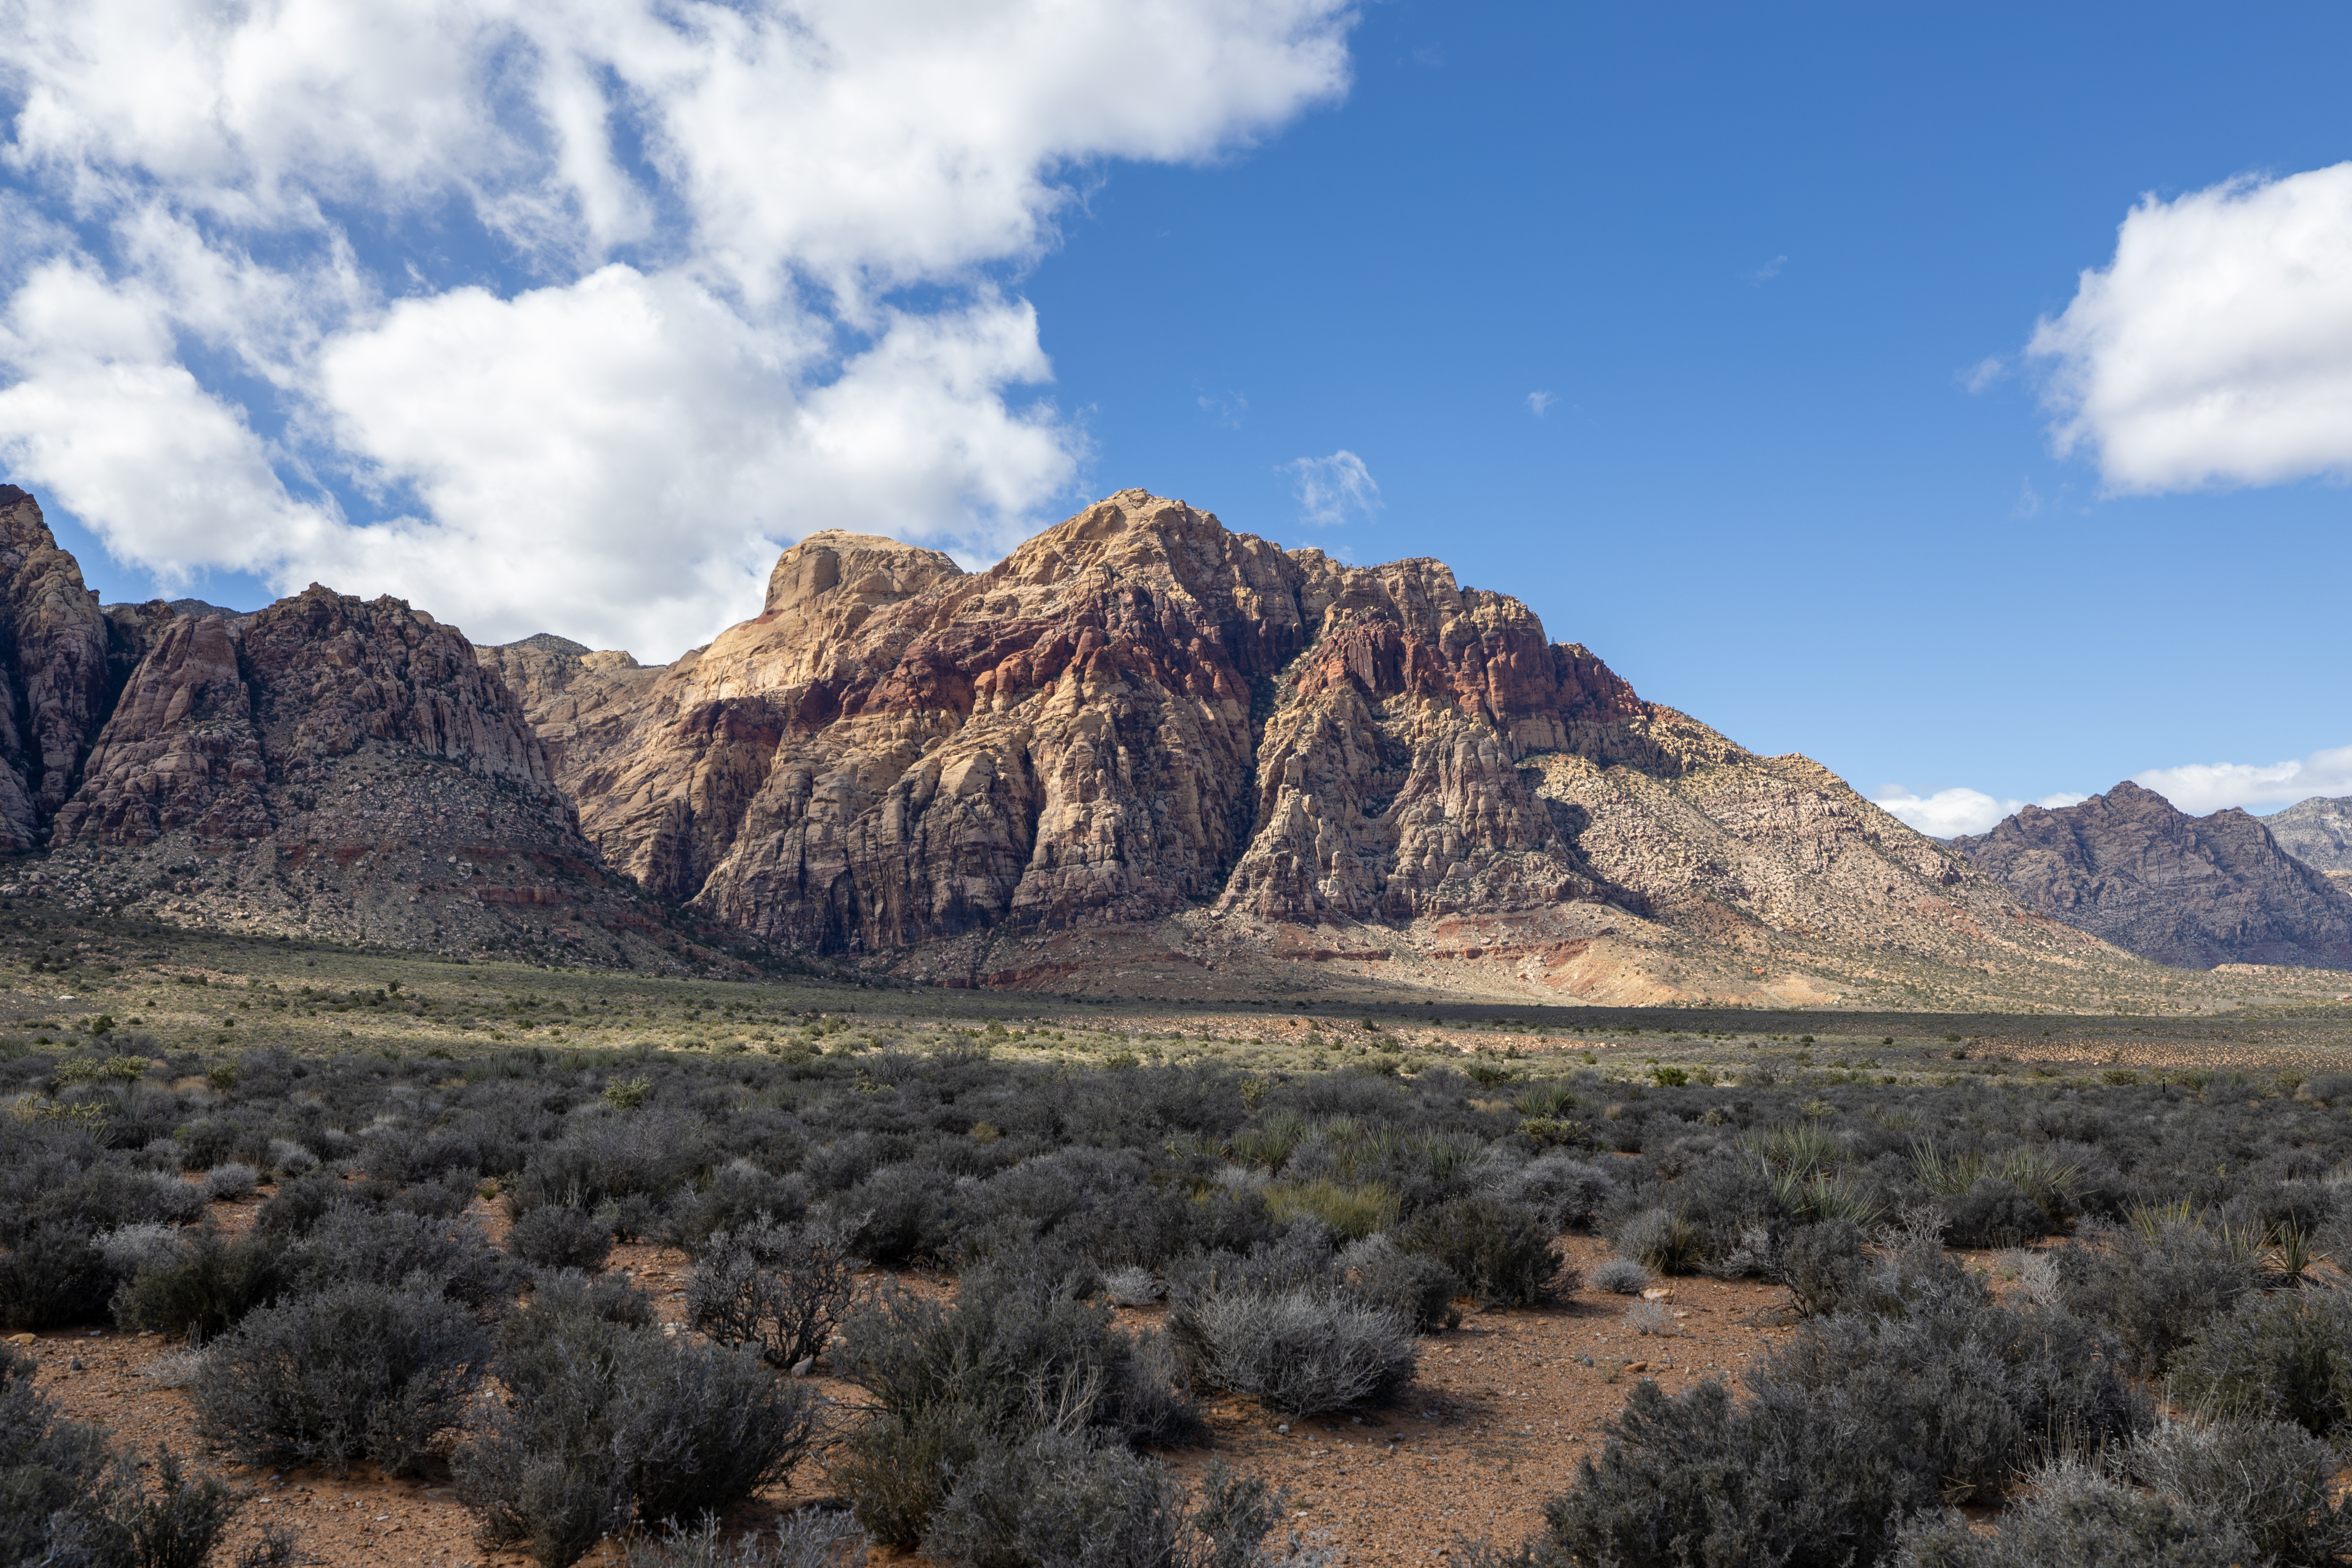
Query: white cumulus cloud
[
  {"x": 1330, "y": 488},
  {"x": 1948, "y": 813},
  {"x": 757, "y": 260},
  {"x": 2215, "y": 347},
  {"x": 2201, "y": 788}
]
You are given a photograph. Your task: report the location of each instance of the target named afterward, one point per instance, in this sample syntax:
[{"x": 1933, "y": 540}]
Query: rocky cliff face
[
  {"x": 2193, "y": 891},
  {"x": 1139, "y": 717},
  {"x": 1135, "y": 712},
  {"x": 53, "y": 652},
  {"x": 2317, "y": 832},
  {"x": 337, "y": 768},
  {"x": 1140, "y": 752}
]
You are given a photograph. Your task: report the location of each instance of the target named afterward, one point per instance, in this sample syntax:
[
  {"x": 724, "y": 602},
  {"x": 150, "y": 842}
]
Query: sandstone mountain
[
  {"x": 329, "y": 766},
  {"x": 1142, "y": 755},
  {"x": 2317, "y": 832},
  {"x": 1143, "y": 750},
  {"x": 2194, "y": 891}
]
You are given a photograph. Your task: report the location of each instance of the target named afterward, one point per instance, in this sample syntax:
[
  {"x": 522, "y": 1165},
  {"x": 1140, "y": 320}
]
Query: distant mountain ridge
[
  {"x": 1142, "y": 755},
  {"x": 2192, "y": 891},
  {"x": 2317, "y": 832},
  {"x": 1143, "y": 750}
]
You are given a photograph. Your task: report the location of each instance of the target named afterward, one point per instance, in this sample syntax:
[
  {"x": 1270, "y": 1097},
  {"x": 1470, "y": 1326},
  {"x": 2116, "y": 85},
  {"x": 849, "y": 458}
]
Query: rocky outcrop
[
  {"x": 53, "y": 651},
  {"x": 2317, "y": 832},
  {"x": 2191, "y": 891},
  {"x": 341, "y": 768},
  {"x": 1139, "y": 745},
  {"x": 1139, "y": 715},
  {"x": 1136, "y": 712}
]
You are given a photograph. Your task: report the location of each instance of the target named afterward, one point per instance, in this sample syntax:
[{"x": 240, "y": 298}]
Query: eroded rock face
[
  {"x": 2191, "y": 891},
  {"x": 2317, "y": 832},
  {"x": 338, "y": 768},
  {"x": 1137, "y": 711},
  {"x": 54, "y": 642}
]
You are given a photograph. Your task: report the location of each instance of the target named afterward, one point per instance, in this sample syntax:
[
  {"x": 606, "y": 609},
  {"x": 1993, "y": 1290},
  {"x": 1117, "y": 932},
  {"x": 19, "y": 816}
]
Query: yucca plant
[
  {"x": 1445, "y": 1154},
  {"x": 1272, "y": 1142},
  {"x": 2290, "y": 1253},
  {"x": 1946, "y": 1175},
  {"x": 2048, "y": 1182},
  {"x": 1818, "y": 1195},
  {"x": 2151, "y": 1221},
  {"x": 1797, "y": 1149},
  {"x": 1546, "y": 1100}
]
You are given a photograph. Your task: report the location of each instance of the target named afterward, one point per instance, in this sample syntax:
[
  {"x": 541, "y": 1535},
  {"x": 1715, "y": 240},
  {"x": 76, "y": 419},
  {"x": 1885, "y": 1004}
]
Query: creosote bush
[
  {"x": 1247, "y": 1194},
  {"x": 607, "y": 1421},
  {"x": 357, "y": 1370},
  {"x": 811, "y": 1538},
  {"x": 2155, "y": 1284},
  {"x": 1299, "y": 1350},
  {"x": 781, "y": 1288},
  {"x": 557, "y": 1236},
  {"x": 1017, "y": 1354},
  {"x": 1500, "y": 1251},
  {"x": 65, "y": 1501},
  {"x": 1058, "y": 1499},
  {"x": 2285, "y": 1356}
]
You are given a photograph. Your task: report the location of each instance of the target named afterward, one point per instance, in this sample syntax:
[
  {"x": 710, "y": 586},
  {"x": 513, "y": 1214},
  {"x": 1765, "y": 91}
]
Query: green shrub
[
  {"x": 1501, "y": 1251},
  {"x": 2075, "y": 1515},
  {"x": 2269, "y": 1479},
  {"x": 358, "y": 1370},
  {"x": 603, "y": 1422},
  {"x": 2156, "y": 1286},
  {"x": 1057, "y": 1498},
  {"x": 1014, "y": 1354},
  {"x": 1299, "y": 1350},
  {"x": 206, "y": 1290},
  {"x": 1413, "y": 1285},
  {"x": 1823, "y": 1267},
  {"x": 557, "y": 1236},
  {"x": 812, "y": 1537},
  {"x": 2285, "y": 1356},
  {"x": 55, "y": 1275}
]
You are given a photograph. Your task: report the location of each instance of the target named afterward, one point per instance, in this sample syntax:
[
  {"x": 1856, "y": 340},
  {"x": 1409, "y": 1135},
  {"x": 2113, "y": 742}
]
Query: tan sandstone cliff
[{"x": 1144, "y": 748}]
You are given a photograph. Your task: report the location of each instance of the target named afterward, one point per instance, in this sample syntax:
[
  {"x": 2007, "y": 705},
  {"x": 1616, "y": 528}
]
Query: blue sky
[{"x": 1700, "y": 329}]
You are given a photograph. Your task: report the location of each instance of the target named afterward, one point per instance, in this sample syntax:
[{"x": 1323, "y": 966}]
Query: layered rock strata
[
  {"x": 2192, "y": 891},
  {"x": 1140, "y": 716}
]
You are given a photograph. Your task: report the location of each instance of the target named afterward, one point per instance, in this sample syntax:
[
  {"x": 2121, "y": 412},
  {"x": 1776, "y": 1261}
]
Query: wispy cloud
[
  {"x": 1950, "y": 812},
  {"x": 1984, "y": 372},
  {"x": 1766, "y": 273},
  {"x": 1330, "y": 488},
  {"x": 1225, "y": 409},
  {"x": 1539, "y": 403}
]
